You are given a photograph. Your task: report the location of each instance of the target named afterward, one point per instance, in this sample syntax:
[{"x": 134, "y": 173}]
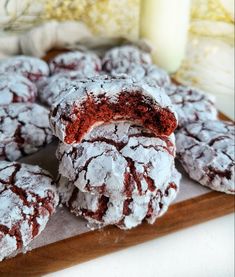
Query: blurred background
[{"x": 193, "y": 40}]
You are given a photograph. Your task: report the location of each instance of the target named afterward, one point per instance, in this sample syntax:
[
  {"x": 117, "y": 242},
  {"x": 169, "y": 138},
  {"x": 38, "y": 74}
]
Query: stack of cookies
[
  {"x": 115, "y": 120},
  {"x": 205, "y": 144},
  {"x": 117, "y": 149}
]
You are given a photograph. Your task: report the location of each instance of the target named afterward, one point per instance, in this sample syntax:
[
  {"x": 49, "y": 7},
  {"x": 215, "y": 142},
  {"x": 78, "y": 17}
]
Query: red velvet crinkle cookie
[
  {"x": 118, "y": 158},
  {"x": 94, "y": 101},
  {"x": 191, "y": 104},
  {"x": 206, "y": 151},
  {"x": 56, "y": 84},
  {"x": 24, "y": 129},
  {"x": 150, "y": 74},
  {"x": 124, "y": 212},
  {"x": 28, "y": 198},
  {"x": 32, "y": 68},
  {"x": 122, "y": 57},
  {"x": 16, "y": 88},
  {"x": 87, "y": 63}
]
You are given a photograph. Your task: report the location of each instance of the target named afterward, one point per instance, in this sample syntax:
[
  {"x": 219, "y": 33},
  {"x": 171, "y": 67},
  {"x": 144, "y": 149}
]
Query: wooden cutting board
[{"x": 83, "y": 247}]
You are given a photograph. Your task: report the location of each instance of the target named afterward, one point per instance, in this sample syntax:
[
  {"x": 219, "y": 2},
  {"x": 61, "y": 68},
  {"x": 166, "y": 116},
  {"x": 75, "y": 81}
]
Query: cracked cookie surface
[
  {"x": 122, "y": 211},
  {"x": 24, "y": 129},
  {"x": 28, "y": 198},
  {"x": 191, "y": 104},
  {"x": 121, "y": 57},
  {"x": 16, "y": 88},
  {"x": 206, "y": 151},
  {"x": 151, "y": 74},
  {"x": 34, "y": 69},
  {"x": 133, "y": 63},
  {"x": 118, "y": 158},
  {"x": 94, "y": 101},
  {"x": 56, "y": 84},
  {"x": 87, "y": 63}
]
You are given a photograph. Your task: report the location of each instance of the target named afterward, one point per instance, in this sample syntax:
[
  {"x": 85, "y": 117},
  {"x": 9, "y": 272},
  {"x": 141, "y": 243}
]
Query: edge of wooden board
[{"x": 93, "y": 244}]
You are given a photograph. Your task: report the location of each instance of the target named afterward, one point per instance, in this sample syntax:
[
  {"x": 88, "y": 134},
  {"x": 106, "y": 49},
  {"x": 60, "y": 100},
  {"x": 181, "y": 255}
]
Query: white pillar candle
[{"x": 165, "y": 23}]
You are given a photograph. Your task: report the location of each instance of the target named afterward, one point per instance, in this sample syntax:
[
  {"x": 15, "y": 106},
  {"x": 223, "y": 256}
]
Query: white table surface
[{"x": 205, "y": 250}]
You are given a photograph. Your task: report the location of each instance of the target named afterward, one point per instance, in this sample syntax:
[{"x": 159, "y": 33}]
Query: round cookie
[
  {"x": 122, "y": 211},
  {"x": 121, "y": 58},
  {"x": 28, "y": 198},
  {"x": 191, "y": 104},
  {"x": 86, "y": 63},
  {"x": 206, "y": 151},
  {"x": 16, "y": 88},
  {"x": 34, "y": 69},
  {"x": 150, "y": 74},
  {"x": 56, "y": 84},
  {"x": 118, "y": 158},
  {"x": 24, "y": 129},
  {"x": 94, "y": 101}
]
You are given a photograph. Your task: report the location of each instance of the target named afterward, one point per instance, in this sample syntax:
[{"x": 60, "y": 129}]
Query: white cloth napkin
[{"x": 37, "y": 41}]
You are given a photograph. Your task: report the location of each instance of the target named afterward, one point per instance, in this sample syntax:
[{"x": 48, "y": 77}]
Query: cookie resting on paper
[
  {"x": 34, "y": 69},
  {"x": 191, "y": 104},
  {"x": 24, "y": 129},
  {"x": 124, "y": 212},
  {"x": 123, "y": 56},
  {"x": 103, "y": 99},
  {"x": 28, "y": 198},
  {"x": 206, "y": 151},
  {"x": 87, "y": 63},
  {"x": 118, "y": 158},
  {"x": 16, "y": 88}
]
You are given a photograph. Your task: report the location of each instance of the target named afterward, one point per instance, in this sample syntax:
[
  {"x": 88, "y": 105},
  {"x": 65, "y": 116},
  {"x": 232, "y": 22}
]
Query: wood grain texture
[
  {"x": 93, "y": 244},
  {"x": 90, "y": 245}
]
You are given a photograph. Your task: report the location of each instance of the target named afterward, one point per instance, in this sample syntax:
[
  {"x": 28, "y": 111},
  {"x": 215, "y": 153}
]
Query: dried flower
[{"x": 112, "y": 18}]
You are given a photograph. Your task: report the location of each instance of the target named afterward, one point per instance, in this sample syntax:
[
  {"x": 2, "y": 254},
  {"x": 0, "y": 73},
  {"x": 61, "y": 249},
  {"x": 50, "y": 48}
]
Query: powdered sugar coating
[
  {"x": 24, "y": 129},
  {"x": 110, "y": 91},
  {"x": 85, "y": 62},
  {"x": 191, "y": 104},
  {"x": 122, "y": 211},
  {"x": 118, "y": 158},
  {"x": 56, "y": 84},
  {"x": 122, "y": 57},
  {"x": 206, "y": 151},
  {"x": 16, "y": 88},
  {"x": 150, "y": 74},
  {"x": 32, "y": 68},
  {"x": 8, "y": 245},
  {"x": 27, "y": 199}
]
